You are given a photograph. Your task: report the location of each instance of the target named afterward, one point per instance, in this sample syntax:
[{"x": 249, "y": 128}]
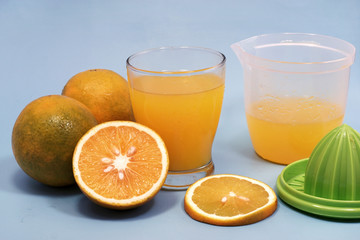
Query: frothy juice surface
[
  {"x": 184, "y": 111},
  {"x": 284, "y": 130}
]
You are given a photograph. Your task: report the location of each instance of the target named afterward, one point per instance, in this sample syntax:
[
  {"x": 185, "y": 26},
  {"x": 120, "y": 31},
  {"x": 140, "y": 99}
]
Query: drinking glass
[{"x": 178, "y": 92}]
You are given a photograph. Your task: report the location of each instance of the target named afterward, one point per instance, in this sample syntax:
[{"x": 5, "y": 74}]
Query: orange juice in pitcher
[{"x": 292, "y": 125}]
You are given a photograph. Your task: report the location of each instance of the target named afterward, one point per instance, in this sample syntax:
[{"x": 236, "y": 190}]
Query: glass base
[{"x": 181, "y": 180}]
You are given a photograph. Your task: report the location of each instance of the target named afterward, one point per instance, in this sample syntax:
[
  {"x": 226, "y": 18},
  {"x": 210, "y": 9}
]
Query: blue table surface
[{"x": 44, "y": 43}]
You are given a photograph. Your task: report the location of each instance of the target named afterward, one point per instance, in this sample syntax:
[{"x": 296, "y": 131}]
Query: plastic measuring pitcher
[{"x": 295, "y": 91}]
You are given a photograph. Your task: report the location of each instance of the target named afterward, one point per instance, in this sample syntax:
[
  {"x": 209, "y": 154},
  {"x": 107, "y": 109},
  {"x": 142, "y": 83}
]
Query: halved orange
[
  {"x": 227, "y": 199},
  {"x": 120, "y": 164}
]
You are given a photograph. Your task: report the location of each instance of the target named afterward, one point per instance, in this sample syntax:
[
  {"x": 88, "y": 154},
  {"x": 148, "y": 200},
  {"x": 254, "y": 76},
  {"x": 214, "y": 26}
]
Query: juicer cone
[{"x": 328, "y": 183}]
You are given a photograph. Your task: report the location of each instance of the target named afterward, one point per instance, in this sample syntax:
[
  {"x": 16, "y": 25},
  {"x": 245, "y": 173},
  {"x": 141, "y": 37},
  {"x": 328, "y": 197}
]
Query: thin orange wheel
[
  {"x": 229, "y": 200},
  {"x": 120, "y": 164}
]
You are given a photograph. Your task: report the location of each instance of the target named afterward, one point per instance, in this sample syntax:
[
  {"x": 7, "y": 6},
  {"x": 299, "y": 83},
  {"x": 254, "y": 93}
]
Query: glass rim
[
  {"x": 348, "y": 55},
  {"x": 179, "y": 72}
]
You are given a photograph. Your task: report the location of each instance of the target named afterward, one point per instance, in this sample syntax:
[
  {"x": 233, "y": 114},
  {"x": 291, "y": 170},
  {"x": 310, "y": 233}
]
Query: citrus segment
[
  {"x": 120, "y": 164},
  {"x": 229, "y": 200}
]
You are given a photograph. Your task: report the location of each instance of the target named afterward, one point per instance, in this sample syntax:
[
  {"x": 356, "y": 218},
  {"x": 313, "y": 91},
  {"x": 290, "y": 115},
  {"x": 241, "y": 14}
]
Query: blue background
[{"x": 44, "y": 43}]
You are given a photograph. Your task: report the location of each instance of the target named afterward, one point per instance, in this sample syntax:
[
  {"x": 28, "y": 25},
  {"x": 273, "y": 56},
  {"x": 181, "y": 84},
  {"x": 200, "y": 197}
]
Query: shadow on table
[
  {"x": 158, "y": 205},
  {"x": 28, "y": 185},
  {"x": 8, "y": 165},
  {"x": 71, "y": 201},
  {"x": 90, "y": 210},
  {"x": 14, "y": 179}
]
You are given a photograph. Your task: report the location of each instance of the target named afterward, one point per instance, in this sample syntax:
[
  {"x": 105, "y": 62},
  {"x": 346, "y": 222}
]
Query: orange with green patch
[{"x": 45, "y": 135}]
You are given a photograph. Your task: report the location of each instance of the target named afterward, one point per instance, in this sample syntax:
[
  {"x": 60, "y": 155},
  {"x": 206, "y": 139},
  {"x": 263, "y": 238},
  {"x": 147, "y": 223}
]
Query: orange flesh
[
  {"x": 229, "y": 196},
  {"x": 120, "y": 162}
]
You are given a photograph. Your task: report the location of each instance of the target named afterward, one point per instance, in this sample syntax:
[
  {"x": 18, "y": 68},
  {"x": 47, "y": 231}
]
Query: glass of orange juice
[
  {"x": 295, "y": 88},
  {"x": 178, "y": 92}
]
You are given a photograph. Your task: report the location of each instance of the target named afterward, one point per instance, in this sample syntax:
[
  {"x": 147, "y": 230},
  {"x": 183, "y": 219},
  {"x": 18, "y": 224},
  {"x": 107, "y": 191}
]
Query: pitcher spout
[{"x": 239, "y": 51}]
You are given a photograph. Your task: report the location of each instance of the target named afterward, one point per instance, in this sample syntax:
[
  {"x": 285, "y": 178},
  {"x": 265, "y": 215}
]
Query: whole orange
[
  {"x": 104, "y": 92},
  {"x": 45, "y": 135}
]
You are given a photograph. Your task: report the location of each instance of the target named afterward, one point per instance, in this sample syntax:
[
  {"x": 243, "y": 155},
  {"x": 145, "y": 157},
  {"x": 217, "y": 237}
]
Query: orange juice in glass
[
  {"x": 295, "y": 89},
  {"x": 178, "y": 92}
]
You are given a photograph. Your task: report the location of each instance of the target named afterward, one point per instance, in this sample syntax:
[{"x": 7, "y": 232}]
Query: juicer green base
[{"x": 290, "y": 188}]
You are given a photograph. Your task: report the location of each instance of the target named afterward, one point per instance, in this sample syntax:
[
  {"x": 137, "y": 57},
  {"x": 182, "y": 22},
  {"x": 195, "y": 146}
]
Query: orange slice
[
  {"x": 227, "y": 199},
  {"x": 120, "y": 164}
]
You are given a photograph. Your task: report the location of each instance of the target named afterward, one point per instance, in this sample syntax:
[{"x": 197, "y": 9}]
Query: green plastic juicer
[{"x": 327, "y": 183}]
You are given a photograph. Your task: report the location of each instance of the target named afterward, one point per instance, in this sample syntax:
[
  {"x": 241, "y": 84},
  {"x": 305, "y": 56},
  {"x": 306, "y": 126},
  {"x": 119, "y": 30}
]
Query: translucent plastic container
[{"x": 296, "y": 88}]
